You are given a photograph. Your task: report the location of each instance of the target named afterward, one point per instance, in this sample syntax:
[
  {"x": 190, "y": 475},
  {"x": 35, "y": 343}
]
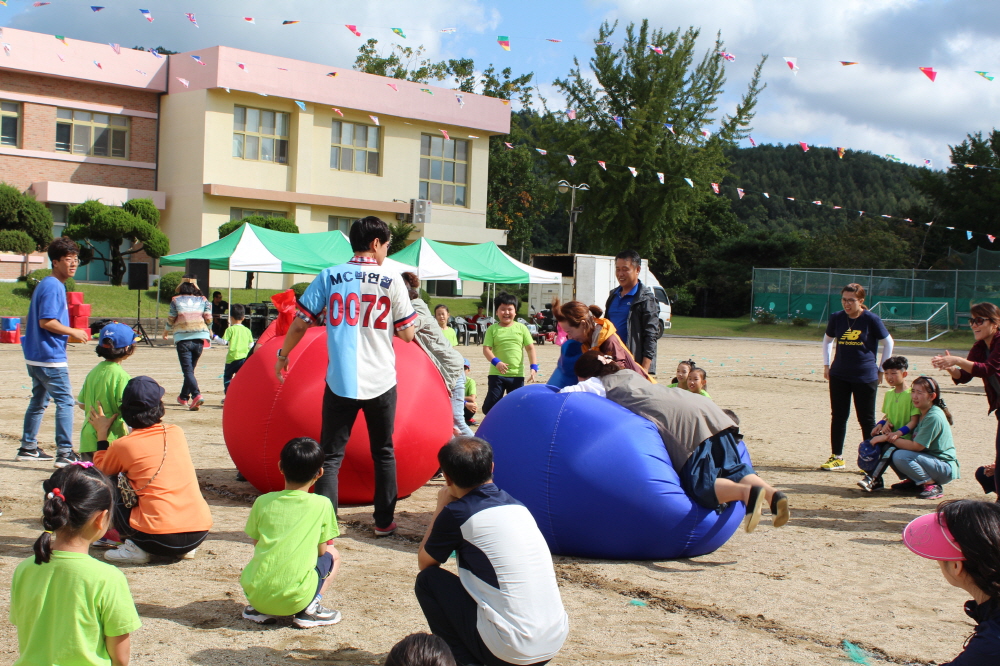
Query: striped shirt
[
  {"x": 362, "y": 305},
  {"x": 190, "y": 312}
]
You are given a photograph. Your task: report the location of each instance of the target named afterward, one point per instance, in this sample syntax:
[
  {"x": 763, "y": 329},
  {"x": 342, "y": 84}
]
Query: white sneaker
[
  {"x": 127, "y": 553},
  {"x": 190, "y": 554}
]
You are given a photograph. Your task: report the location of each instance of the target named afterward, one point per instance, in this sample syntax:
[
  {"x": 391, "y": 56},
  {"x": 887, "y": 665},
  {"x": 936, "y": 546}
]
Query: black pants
[
  {"x": 470, "y": 415},
  {"x": 840, "y": 408},
  {"x": 169, "y": 545},
  {"x": 188, "y": 352},
  {"x": 497, "y": 386},
  {"x": 452, "y": 615},
  {"x": 996, "y": 474},
  {"x": 229, "y": 371},
  {"x": 339, "y": 415}
]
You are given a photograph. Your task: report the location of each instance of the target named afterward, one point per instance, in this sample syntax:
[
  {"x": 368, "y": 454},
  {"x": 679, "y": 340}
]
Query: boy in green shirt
[
  {"x": 105, "y": 384},
  {"x": 289, "y": 529},
  {"x": 239, "y": 339},
  {"x": 502, "y": 347},
  {"x": 899, "y": 418}
]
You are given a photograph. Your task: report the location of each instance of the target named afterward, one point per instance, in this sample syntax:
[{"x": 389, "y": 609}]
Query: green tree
[
  {"x": 400, "y": 232},
  {"x": 402, "y": 62},
  {"x": 94, "y": 221},
  {"x": 273, "y": 223},
  {"x": 25, "y": 223},
  {"x": 646, "y": 90}
]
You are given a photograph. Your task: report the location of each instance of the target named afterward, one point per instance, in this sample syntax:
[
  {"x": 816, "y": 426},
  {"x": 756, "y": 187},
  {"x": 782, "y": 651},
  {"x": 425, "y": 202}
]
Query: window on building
[
  {"x": 59, "y": 212},
  {"x": 87, "y": 133},
  {"x": 259, "y": 134},
  {"x": 240, "y": 213},
  {"x": 443, "y": 287},
  {"x": 9, "y": 116},
  {"x": 444, "y": 170},
  {"x": 342, "y": 224},
  {"x": 354, "y": 147}
]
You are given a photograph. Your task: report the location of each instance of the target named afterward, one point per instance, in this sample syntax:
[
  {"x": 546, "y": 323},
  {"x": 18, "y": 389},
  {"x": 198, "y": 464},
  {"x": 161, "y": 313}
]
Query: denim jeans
[
  {"x": 920, "y": 467},
  {"x": 458, "y": 407},
  {"x": 46, "y": 383},
  {"x": 188, "y": 352},
  {"x": 229, "y": 372}
]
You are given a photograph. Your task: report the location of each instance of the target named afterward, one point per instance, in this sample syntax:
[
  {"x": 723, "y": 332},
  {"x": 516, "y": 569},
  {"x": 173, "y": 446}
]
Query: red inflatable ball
[{"x": 262, "y": 414}]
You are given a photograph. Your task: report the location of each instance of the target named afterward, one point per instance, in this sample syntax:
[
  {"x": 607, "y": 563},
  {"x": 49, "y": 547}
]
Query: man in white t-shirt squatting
[
  {"x": 362, "y": 305},
  {"x": 504, "y": 606}
]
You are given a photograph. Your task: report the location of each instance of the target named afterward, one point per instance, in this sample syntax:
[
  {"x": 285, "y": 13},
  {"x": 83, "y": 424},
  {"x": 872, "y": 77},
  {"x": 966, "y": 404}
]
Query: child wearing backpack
[{"x": 68, "y": 607}]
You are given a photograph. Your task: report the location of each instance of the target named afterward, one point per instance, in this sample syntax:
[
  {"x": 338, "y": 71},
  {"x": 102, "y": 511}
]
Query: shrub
[
  {"x": 168, "y": 284},
  {"x": 801, "y": 321},
  {"x": 34, "y": 277},
  {"x": 299, "y": 288},
  {"x": 144, "y": 209},
  {"x": 762, "y": 316},
  {"x": 424, "y": 296},
  {"x": 16, "y": 241}
]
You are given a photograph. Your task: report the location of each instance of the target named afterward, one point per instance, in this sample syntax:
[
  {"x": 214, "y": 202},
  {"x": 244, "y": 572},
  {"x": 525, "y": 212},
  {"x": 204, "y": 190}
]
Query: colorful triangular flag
[
  {"x": 116, "y": 48},
  {"x": 847, "y": 63},
  {"x": 198, "y": 59},
  {"x": 427, "y": 90},
  {"x": 635, "y": 172},
  {"x": 840, "y": 152},
  {"x": 504, "y": 42},
  {"x": 968, "y": 235},
  {"x": 399, "y": 31},
  {"x": 146, "y": 15},
  {"x": 290, "y": 22},
  {"x": 542, "y": 152},
  {"x": 656, "y": 49},
  {"x": 302, "y": 105},
  {"x": 242, "y": 65},
  {"x": 793, "y": 64},
  {"x": 460, "y": 98},
  {"x": 553, "y": 40},
  {"x": 753, "y": 144},
  {"x": 805, "y": 148},
  {"x": 92, "y": 7},
  {"x": 184, "y": 82},
  {"x": 818, "y": 203},
  {"x": 929, "y": 73},
  {"x": 992, "y": 238},
  {"x": 706, "y": 133},
  {"x": 669, "y": 127},
  {"x": 331, "y": 74},
  {"x": 985, "y": 75},
  {"x": 62, "y": 39},
  {"x": 602, "y": 164},
  {"x": 618, "y": 121},
  {"x": 571, "y": 114},
  {"x": 337, "y": 111},
  {"x": 374, "y": 119},
  {"x": 448, "y": 30},
  {"x": 98, "y": 65},
  {"x": 766, "y": 195},
  {"x": 715, "y": 187},
  {"x": 393, "y": 86},
  {"x": 739, "y": 192},
  {"x": 156, "y": 54},
  {"x": 509, "y": 145},
  {"x": 191, "y": 18},
  {"x": 660, "y": 176},
  {"x": 689, "y": 182},
  {"x": 572, "y": 160},
  {"x": 40, "y": 4}
]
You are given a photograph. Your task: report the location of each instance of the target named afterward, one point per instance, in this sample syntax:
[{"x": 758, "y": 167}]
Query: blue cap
[
  {"x": 467, "y": 364},
  {"x": 141, "y": 393},
  {"x": 120, "y": 335}
]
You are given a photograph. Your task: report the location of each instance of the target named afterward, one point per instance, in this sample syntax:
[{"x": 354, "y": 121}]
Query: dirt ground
[{"x": 836, "y": 572}]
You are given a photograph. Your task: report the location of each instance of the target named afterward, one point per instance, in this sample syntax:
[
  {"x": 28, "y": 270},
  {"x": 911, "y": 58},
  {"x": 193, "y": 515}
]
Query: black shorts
[
  {"x": 718, "y": 456},
  {"x": 324, "y": 565}
]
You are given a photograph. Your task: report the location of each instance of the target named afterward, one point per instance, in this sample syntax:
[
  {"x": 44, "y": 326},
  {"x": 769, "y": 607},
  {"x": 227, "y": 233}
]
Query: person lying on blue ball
[{"x": 697, "y": 433}]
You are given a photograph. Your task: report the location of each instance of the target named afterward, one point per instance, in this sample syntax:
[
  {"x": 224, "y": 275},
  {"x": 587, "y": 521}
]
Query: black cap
[{"x": 141, "y": 393}]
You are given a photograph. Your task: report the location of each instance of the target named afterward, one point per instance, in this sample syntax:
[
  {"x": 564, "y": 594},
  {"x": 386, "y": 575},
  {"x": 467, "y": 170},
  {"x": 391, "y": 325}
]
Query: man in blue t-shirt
[
  {"x": 45, "y": 355},
  {"x": 504, "y": 605},
  {"x": 634, "y": 311}
]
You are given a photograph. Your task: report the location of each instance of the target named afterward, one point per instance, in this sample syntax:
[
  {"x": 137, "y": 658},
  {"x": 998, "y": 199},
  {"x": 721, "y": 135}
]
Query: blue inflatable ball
[
  {"x": 597, "y": 478},
  {"x": 569, "y": 352}
]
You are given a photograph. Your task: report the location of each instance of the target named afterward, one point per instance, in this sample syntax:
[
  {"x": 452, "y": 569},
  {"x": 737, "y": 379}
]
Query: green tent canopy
[
  {"x": 484, "y": 262},
  {"x": 255, "y": 249}
]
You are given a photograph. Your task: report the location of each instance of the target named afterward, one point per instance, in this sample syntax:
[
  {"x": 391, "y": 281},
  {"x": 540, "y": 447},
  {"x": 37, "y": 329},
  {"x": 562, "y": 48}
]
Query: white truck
[{"x": 588, "y": 278}]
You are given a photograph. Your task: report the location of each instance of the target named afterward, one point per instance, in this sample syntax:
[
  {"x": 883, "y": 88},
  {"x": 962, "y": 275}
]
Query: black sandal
[
  {"x": 779, "y": 509},
  {"x": 755, "y": 505}
]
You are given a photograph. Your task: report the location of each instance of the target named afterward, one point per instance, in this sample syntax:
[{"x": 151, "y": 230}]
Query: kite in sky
[{"x": 504, "y": 42}]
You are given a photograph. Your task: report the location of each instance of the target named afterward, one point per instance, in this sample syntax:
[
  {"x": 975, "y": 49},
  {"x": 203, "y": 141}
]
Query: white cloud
[{"x": 883, "y": 105}]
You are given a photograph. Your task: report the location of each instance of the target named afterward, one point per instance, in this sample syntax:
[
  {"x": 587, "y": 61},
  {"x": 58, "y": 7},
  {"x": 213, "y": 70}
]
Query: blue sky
[{"x": 884, "y": 104}]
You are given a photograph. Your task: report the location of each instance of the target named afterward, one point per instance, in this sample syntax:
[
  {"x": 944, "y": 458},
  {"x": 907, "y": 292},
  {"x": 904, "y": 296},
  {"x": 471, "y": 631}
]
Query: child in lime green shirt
[
  {"x": 697, "y": 381},
  {"x": 105, "y": 384},
  {"x": 290, "y": 528},
  {"x": 240, "y": 339},
  {"x": 503, "y": 346},
  {"x": 898, "y": 411},
  {"x": 68, "y": 607}
]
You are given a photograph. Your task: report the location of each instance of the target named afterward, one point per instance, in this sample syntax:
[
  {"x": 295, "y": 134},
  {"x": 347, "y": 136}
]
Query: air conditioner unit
[{"x": 420, "y": 209}]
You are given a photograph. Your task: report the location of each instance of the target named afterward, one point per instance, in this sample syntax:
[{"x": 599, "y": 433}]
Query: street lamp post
[{"x": 563, "y": 187}]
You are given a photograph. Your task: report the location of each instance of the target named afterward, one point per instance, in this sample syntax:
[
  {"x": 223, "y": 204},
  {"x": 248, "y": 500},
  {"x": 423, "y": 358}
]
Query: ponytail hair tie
[
  {"x": 86, "y": 464},
  {"x": 47, "y": 531},
  {"x": 56, "y": 493}
]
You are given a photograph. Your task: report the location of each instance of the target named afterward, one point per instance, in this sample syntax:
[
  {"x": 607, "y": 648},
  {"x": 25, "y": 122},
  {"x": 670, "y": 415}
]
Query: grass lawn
[
  {"x": 743, "y": 327},
  {"x": 113, "y": 302}
]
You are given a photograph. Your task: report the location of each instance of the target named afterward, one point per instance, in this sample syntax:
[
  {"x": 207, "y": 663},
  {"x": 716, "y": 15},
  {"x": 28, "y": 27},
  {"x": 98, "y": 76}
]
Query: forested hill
[{"x": 859, "y": 181}]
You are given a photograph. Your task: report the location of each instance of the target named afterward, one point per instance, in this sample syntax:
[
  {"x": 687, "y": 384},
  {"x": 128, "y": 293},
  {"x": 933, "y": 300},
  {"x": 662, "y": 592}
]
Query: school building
[{"x": 221, "y": 133}]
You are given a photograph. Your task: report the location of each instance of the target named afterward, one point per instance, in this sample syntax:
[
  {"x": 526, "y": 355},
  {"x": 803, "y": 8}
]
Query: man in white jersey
[{"x": 362, "y": 306}]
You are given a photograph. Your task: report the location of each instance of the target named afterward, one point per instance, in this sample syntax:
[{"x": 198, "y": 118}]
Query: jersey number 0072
[{"x": 347, "y": 310}]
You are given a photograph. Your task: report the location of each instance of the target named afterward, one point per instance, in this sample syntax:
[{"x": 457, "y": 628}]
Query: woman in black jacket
[
  {"x": 983, "y": 361},
  {"x": 964, "y": 537}
]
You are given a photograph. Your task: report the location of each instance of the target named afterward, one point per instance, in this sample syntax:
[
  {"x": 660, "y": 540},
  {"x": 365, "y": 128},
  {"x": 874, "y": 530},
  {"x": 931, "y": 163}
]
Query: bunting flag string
[{"x": 740, "y": 192}]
